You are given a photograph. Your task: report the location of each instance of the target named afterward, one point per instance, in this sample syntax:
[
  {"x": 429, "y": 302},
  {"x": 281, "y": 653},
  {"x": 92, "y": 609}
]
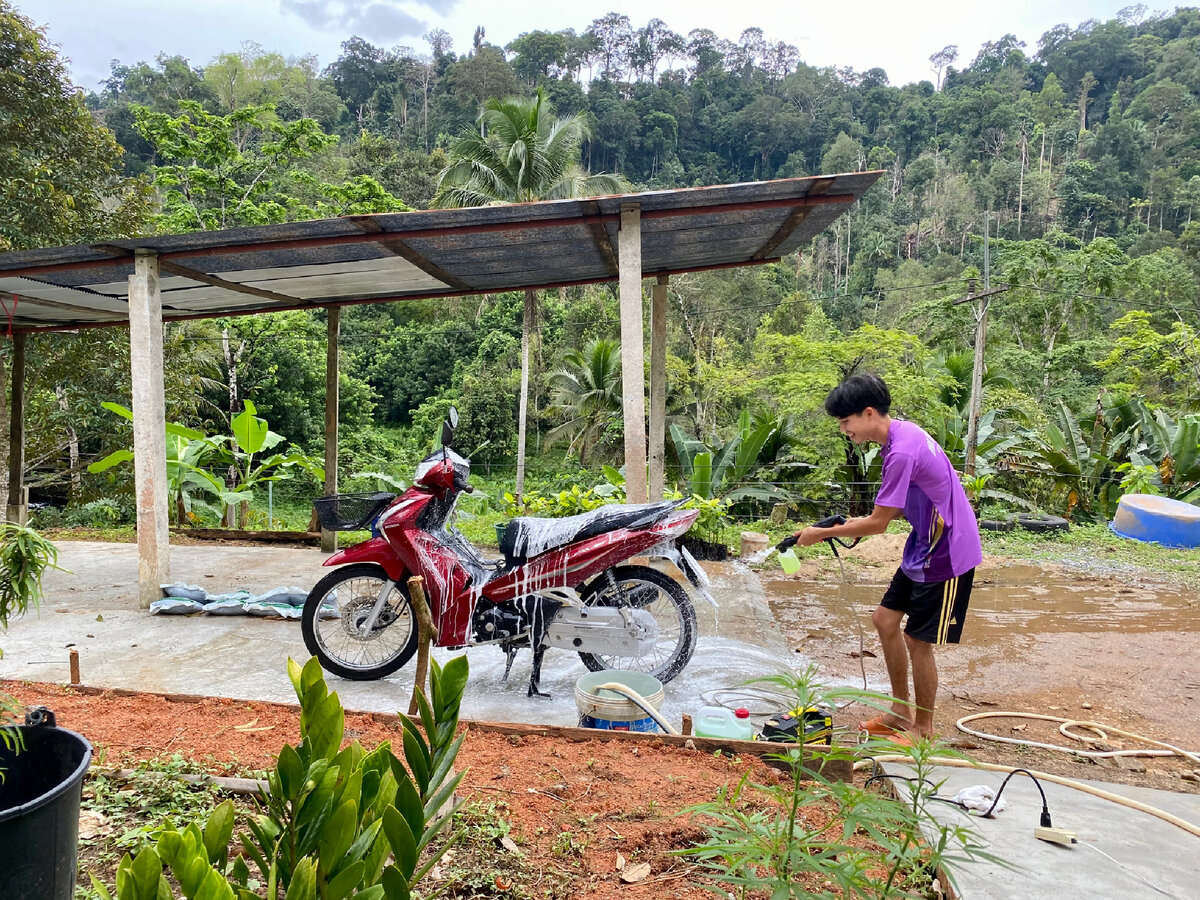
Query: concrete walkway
[
  {"x": 92, "y": 608},
  {"x": 1149, "y": 856}
]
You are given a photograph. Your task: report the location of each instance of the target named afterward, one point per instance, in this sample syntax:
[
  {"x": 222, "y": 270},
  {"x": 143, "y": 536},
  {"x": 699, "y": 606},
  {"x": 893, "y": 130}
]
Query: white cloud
[{"x": 379, "y": 21}]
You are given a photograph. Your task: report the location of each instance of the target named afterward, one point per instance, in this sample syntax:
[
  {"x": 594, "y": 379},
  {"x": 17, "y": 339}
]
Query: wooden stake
[
  {"x": 426, "y": 634},
  {"x": 74, "y": 666}
]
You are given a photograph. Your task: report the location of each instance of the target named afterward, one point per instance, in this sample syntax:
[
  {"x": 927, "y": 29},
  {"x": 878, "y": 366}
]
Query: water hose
[
  {"x": 1065, "y": 726},
  {"x": 1043, "y": 776},
  {"x": 630, "y": 694},
  {"x": 828, "y": 522}
]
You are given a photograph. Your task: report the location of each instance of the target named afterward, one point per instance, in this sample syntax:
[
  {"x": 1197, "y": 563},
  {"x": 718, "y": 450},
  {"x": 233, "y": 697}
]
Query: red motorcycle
[{"x": 562, "y": 583}]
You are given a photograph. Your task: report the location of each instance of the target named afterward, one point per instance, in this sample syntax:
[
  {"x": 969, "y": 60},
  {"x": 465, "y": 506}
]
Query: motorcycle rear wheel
[
  {"x": 334, "y": 612},
  {"x": 663, "y": 598}
]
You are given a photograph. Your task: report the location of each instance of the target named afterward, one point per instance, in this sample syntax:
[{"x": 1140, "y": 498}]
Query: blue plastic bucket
[
  {"x": 1145, "y": 517},
  {"x": 610, "y": 711}
]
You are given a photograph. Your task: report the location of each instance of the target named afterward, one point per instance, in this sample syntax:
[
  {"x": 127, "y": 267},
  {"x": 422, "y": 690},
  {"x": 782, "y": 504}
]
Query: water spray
[{"x": 785, "y": 547}]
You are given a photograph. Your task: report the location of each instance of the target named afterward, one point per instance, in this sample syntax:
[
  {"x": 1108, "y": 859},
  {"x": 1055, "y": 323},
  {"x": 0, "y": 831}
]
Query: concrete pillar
[
  {"x": 17, "y": 508},
  {"x": 333, "y": 331},
  {"x": 149, "y": 427},
  {"x": 633, "y": 377},
  {"x": 658, "y": 384}
]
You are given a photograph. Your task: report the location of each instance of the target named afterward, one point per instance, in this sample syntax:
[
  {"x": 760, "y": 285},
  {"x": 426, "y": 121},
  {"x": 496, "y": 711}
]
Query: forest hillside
[{"x": 1080, "y": 158}]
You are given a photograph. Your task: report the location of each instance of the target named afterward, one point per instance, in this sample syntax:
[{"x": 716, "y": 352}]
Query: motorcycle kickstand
[
  {"x": 535, "y": 676},
  {"x": 510, "y": 653},
  {"x": 543, "y": 615}
]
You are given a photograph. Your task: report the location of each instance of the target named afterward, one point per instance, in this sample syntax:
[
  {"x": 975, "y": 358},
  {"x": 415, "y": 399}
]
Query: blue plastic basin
[{"x": 1145, "y": 517}]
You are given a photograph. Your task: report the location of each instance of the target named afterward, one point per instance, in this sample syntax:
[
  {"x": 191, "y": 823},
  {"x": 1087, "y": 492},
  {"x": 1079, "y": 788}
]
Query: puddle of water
[{"x": 1004, "y": 601}]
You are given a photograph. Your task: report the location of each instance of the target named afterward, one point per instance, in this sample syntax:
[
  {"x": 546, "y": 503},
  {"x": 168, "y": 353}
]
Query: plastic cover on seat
[{"x": 527, "y": 536}]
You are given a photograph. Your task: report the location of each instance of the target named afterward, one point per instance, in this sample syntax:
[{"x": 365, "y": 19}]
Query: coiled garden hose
[{"x": 1065, "y": 727}]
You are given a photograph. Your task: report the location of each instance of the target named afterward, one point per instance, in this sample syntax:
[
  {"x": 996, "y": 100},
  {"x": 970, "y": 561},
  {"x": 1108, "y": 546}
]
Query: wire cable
[{"x": 1138, "y": 875}]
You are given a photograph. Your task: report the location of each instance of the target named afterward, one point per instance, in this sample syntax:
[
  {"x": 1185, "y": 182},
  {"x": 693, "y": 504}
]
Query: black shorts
[{"x": 936, "y": 609}]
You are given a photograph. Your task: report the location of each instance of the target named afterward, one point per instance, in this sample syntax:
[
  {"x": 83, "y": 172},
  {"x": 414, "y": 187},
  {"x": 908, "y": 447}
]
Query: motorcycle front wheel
[
  {"x": 662, "y": 597},
  {"x": 335, "y": 614}
]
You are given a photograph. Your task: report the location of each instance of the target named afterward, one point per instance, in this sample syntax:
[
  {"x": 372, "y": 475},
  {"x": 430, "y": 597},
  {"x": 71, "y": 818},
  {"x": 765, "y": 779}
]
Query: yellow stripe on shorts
[{"x": 949, "y": 594}]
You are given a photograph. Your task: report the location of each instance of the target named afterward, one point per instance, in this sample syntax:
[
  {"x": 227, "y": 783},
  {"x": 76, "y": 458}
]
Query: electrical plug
[{"x": 1054, "y": 835}]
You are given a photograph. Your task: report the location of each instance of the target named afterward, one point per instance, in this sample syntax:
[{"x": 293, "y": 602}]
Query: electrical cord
[
  {"x": 884, "y": 776},
  {"x": 1045, "y": 816},
  {"x": 1138, "y": 875},
  {"x": 1045, "y": 821},
  {"x": 958, "y": 762}
]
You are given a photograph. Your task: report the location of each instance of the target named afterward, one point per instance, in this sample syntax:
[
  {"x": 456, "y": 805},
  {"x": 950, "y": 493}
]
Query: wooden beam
[
  {"x": 790, "y": 224},
  {"x": 332, "y": 332},
  {"x": 149, "y": 427},
  {"x": 18, "y": 504},
  {"x": 633, "y": 378},
  {"x": 177, "y": 316},
  {"x": 819, "y": 188},
  {"x": 600, "y": 238},
  {"x": 18, "y": 299},
  {"x": 393, "y": 244},
  {"x": 196, "y": 275},
  {"x": 658, "y": 385}
]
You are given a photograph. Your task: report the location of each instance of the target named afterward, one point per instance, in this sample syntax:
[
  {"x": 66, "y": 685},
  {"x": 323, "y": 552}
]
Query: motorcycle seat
[{"x": 528, "y": 536}]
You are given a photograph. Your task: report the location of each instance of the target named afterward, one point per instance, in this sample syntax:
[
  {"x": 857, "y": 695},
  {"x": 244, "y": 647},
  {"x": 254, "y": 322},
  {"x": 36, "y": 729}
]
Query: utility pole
[{"x": 982, "y": 301}]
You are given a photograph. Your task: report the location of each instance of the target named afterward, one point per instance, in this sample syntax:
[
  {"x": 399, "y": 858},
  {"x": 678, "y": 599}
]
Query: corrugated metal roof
[{"x": 398, "y": 256}]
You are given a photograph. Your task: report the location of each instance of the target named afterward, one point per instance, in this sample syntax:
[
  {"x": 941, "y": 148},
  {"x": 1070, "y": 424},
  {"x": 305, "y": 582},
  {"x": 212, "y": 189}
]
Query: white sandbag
[
  {"x": 227, "y": 606},
  {"x": 175, "y": 606},
  {"x": 272, "y": 610},
  {"x": 187, "y": 591}
]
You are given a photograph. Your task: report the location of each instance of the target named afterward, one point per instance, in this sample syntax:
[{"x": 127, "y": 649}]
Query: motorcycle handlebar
[{"x": 460, "y": 484}]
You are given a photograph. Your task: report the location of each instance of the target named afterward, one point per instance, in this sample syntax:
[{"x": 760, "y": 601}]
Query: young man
[{"x": 933, "y": 584}]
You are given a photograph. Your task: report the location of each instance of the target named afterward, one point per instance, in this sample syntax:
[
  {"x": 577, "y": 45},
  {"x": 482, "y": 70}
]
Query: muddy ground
[{"x": 1077, "y": 640}]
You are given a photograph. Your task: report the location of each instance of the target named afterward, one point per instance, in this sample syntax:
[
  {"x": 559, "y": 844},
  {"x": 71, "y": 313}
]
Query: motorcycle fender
[
  {"x": 685, "y": 563},
  {"x": 376, "y": 550}
]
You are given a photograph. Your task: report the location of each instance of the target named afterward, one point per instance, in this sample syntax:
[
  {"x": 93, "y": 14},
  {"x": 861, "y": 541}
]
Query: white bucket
[{"x": 608, "y": 710}]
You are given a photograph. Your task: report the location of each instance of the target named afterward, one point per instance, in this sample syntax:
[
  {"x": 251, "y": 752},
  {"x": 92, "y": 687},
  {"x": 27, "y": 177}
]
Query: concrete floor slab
[
  {"x": 1149, "y": 856},
  {"x": 92, "y": 608}
]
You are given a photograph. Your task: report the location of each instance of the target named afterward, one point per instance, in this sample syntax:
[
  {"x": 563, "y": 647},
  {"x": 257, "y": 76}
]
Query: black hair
[{"x": 856, "y": 393}]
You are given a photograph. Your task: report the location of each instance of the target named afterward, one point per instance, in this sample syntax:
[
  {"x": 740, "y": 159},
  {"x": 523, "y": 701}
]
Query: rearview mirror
[{"x": 448, "y": 426}]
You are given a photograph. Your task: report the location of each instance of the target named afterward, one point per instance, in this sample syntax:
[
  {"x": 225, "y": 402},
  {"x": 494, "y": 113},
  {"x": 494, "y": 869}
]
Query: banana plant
[
  {"x": 188, "y": 450},
  {"x": 722, "y": 472},
  {"x": 191, "y": 453},
  {"x": 1084, "y": 469},
  {"x": 1171, "y": 448},
  {"x": 250, "y": 436}
]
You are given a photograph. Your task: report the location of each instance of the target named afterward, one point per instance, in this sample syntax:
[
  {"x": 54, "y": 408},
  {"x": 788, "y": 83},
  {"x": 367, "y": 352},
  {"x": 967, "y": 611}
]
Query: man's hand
[{"x": 806, "y": 537}]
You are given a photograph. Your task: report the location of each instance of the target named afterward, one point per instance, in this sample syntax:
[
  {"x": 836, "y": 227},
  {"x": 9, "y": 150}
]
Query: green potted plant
[{"x": 41, "y": 768}]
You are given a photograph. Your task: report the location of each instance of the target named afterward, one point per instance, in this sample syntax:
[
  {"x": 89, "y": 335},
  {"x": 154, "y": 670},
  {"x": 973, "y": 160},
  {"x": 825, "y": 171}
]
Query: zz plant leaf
[{"x": 334, "y": 822}]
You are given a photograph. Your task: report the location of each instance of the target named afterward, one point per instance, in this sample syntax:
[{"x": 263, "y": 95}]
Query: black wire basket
[{"x": 350, "y": 512}]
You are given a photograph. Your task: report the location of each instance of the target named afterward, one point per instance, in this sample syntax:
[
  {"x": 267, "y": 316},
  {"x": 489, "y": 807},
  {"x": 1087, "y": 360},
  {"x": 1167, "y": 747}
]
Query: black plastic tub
[{"x": 39, "y": 813}]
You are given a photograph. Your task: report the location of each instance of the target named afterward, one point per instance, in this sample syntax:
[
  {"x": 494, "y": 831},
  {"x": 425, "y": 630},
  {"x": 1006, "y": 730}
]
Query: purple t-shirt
[{"x": 918, "y": 478}]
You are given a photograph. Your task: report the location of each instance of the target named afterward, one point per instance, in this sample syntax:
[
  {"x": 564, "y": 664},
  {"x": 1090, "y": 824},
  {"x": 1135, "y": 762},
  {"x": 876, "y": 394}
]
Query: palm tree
[
  {"x": 953, "y": 370},
  {"x": 587, "y": 390},
  {"x": 522, "y": 152}
]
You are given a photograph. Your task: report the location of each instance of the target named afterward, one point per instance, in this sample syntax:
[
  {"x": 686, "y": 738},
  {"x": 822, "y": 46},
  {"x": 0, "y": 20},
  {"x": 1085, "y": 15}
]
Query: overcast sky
[{"x": 898, "y": 37}]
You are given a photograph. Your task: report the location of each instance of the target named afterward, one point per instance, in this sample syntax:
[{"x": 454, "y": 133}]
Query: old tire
[
  {"x": 1042, "y": 524},
  {"x": 667, "y": 601},
  {"x": 996, "y": 525},
  {"x": 337, "y": 608}
]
